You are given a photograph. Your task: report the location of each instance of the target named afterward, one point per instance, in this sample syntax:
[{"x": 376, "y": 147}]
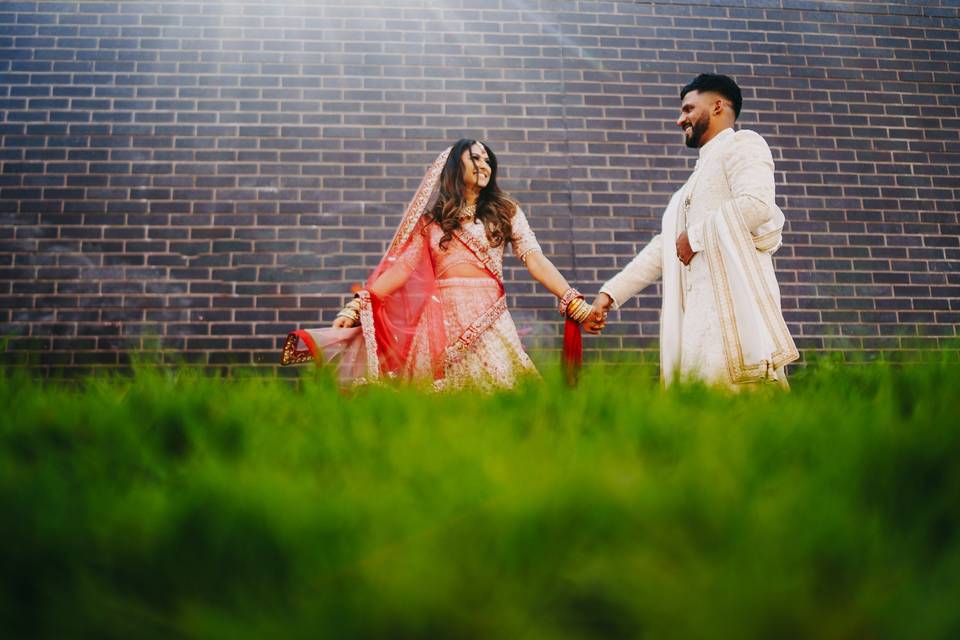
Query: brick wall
[{"x": 208, "y": 175}]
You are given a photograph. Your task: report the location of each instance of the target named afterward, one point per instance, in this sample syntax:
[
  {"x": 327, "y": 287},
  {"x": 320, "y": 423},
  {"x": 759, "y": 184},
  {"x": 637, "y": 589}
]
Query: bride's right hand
[{"x": 343, "y": 323}]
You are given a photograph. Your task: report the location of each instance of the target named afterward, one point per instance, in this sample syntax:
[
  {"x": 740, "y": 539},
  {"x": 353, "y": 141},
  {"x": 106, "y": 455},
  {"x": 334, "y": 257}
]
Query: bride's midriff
[{"x": 464, "y": 270}]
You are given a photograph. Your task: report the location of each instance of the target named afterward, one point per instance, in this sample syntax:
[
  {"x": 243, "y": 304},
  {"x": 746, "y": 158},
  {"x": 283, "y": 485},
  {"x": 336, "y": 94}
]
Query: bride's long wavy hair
[{"x": 495, "y": 209}]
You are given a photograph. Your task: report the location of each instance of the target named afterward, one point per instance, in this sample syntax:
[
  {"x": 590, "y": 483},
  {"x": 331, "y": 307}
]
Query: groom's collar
[{"x": 714, "y": 145}]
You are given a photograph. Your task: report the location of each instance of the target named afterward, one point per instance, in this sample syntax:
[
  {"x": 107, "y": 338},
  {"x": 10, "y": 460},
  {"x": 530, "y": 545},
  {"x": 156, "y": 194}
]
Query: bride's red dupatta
[{"x": 400, "y": 335}]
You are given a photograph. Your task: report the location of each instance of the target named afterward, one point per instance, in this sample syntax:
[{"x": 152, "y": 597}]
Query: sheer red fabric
[
  {"x": 412, "y": 311},
  {"x": 400, "y": 335}
]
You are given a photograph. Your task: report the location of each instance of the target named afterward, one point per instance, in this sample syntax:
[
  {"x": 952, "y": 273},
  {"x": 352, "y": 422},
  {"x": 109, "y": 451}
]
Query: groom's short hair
[{"x": 716, "y": 83}]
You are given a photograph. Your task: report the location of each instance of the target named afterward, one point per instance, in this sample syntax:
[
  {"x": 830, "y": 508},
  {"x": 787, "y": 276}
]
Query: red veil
[{"x": 400, "y": 335}]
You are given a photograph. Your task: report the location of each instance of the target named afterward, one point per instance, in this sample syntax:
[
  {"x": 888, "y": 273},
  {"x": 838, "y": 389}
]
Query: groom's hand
[
  {"x": 598, "y": 319},
  {"x": 684, "y": 251}
]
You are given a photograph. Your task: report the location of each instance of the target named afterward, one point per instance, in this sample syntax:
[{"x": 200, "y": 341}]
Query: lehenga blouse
[{"x": 456, "y": 253}]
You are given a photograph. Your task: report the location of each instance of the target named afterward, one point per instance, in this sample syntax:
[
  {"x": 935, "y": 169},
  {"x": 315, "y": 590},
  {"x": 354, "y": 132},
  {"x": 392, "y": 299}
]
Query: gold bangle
[
  {"x": 350, "y": 311},
  {"x": 581, "y": 313},
  {"x": 579, "y": 310},
  {"x": 575, "y": 308}
]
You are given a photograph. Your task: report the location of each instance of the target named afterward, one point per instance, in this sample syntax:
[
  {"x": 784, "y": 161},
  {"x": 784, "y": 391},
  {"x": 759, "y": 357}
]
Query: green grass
[{"x": 171, "y": 504}]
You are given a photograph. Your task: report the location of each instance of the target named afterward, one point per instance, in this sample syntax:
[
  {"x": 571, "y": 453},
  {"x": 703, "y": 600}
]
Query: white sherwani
[{"x": 721, "y": 319}]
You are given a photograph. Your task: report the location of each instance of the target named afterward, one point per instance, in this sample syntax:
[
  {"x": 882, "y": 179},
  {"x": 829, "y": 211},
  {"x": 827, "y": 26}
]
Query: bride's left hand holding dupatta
[{"x": 435, "y": 307}]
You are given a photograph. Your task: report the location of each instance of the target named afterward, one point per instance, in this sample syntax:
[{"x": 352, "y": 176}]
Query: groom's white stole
[{"x": 756, "y": 340}]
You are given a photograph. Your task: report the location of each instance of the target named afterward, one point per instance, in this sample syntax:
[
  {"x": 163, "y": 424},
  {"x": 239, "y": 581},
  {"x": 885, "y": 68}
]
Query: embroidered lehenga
[{"x": 450, "y": 332}]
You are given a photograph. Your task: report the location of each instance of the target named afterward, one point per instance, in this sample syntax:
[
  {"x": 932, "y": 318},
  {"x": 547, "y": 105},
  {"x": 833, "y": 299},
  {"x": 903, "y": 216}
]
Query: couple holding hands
[{"x": 434, "y": 309}]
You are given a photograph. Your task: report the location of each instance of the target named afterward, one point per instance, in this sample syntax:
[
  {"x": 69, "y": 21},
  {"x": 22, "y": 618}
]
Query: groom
[{"x": 721, "y": 319}]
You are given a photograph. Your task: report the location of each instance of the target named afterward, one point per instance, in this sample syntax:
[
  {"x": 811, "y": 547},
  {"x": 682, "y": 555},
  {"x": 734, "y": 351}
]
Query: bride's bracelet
[
  {"x": 351, "y": 311},
  {"x": 568, "y": 296}
]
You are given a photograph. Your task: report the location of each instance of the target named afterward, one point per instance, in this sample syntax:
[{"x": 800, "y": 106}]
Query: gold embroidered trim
[
  {"x": 472, "y": 333},
  {"x": 768, "y": 241},
  {"x": 785, "y": 349},
  {"x": 290, "y": 355},
  {"x": 526, "y": 254},
  {"x": 419, "y": 202},
  {"x": 481, "y": 252},
  {"x": 369, "y": 335},
  {"x": 733, "y": 353}
]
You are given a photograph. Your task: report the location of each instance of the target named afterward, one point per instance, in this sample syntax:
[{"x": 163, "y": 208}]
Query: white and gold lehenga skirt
[
  {"x": 487, "y": 356},
  {"x": 483, "y": 348}
]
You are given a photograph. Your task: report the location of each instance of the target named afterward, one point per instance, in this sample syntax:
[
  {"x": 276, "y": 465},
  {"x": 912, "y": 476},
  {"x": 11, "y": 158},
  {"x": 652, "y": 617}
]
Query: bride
[{"x": 435, "y": 309}]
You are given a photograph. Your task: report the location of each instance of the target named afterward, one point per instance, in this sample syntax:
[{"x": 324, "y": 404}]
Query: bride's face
[{"x": 476, "y": 168}]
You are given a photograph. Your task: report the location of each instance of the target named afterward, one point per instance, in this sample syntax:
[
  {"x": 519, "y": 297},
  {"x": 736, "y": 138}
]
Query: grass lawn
[{"x": 172, "y": 504}]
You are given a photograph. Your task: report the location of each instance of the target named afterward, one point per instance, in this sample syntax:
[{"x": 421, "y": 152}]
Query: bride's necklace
[{"x": 468, "y": 212}]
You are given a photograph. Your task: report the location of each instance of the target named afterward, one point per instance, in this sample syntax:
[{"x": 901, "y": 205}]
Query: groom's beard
[{"x": 699, "y": 128}]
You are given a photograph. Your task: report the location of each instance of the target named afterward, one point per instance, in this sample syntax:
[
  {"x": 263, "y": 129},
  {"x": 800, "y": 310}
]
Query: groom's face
[{"x": 695, "y": 117}]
